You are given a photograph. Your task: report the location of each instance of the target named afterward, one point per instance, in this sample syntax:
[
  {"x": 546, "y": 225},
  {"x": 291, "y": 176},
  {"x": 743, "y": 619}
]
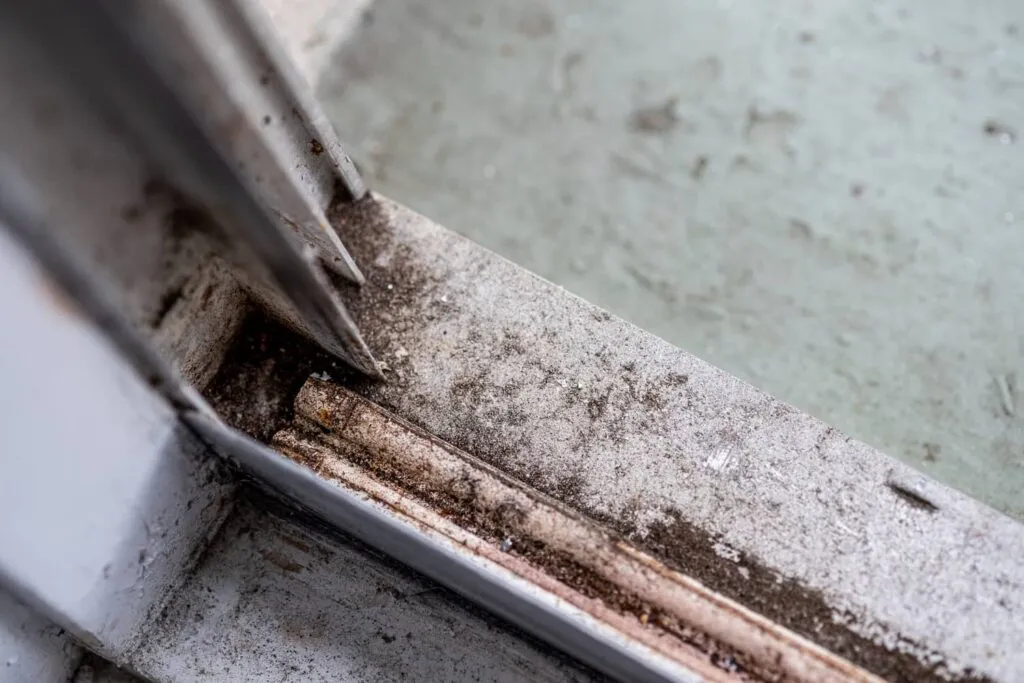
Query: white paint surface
[{"x": 104, "y": 498}]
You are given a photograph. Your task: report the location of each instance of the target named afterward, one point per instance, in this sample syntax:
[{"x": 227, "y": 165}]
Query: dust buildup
[{"x": 493, "y": 416}]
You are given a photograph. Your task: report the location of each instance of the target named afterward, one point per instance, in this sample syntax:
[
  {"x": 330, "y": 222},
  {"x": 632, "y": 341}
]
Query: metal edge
[
  {"x": 539, "y": 612},
  {"x": 112, "y": 69},
  {"x": 256, "y": 19}
]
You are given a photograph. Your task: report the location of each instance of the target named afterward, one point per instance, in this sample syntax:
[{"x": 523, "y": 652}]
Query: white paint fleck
[
  {"x": 846, "y": 528},
  {"x": 727, "y": 551},
  {"x": 721, "y": 457}
]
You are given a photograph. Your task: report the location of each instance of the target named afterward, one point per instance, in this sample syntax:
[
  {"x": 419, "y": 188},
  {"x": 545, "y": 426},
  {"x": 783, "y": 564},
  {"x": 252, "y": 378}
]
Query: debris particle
[
  {"x": 506, "y": 545},
  {"x": 726, "y": 663},
  {"x": 401, "y": 352},
  {"x": 856, "y": 190},
  {"x": 769, "y": 126},
  {"x": 912, "y": 497},
  {"x": 390, "y": 287},
  {"x": 1005, "y": 385},
  {"x": 644, "y": 618},
  {"x": 727, "y": 552},
  {"x": 444, "y": 298},
  {"x": 536, "y": 25},
  {"x": 699, "y": 166},
  {"x": 1000, "y": 131},
  {"x": 562, "y": 72},
  {"x": 637, "y": 168},
  {"x": 315, "y": 147},
  {"x": 805, "y": 37},
  {"x": 800, "y": 229},
  {"x": 659, "y": 118},
  {"x": 931, "y": 452}
]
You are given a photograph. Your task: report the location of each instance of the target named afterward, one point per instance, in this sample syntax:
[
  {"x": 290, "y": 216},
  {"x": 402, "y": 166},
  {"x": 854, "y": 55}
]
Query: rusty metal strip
[
  {"x": 358, "y": 445},
  {"x": 430, "y": 552}
]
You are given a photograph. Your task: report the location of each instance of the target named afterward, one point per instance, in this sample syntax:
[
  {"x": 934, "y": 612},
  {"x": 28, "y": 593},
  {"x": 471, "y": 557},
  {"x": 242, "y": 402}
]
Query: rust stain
[
  {"x": 403, "y": 292},
  {"x": 443, "y": 490},
  {"x": 404, "y": 289}
]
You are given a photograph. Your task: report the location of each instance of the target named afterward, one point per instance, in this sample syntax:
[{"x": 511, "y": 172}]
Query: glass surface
[{"x": 823, "y": 198}]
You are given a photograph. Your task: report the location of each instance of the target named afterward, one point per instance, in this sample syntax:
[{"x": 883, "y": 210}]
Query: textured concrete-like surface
[
  {"x": 274, "y": 600},
  {"x": 825, "y": 199},
  {"x": 31, "y": 647},
  {"x": 752, "y": 497},
  {"x": 96, "y": 670},
  {"x": 491, "y": 518}
]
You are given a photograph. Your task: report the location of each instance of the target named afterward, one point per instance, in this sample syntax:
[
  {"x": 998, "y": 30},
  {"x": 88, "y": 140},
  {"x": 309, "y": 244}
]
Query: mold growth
[
  {"x": 412, "y": 319},
  {"x": 692, "y": 551}
]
